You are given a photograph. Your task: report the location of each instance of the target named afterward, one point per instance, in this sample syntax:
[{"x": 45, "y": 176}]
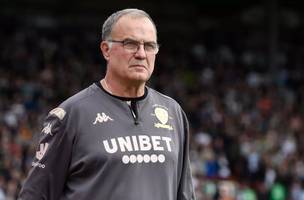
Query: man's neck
[{"x": 123, "y": 90}]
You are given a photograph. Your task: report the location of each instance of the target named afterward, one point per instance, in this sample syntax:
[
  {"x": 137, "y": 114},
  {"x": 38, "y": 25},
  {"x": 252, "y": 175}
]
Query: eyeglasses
[{"x": 132, "y": 46}]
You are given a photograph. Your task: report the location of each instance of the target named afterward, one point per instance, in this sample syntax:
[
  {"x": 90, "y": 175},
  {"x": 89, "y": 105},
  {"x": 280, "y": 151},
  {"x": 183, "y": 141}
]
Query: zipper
[{"x": 133, "y": 108}]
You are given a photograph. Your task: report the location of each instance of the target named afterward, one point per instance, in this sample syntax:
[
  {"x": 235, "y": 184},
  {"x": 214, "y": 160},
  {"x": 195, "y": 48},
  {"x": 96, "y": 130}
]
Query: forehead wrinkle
[{"x": 134, "y": 30}]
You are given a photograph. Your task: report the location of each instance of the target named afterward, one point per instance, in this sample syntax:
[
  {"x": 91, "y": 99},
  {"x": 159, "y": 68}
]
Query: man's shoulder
[
  {"x": 71, "y": 107},
  {"x": 80, "y": 97},
  {"x": 162, "y": 97}
]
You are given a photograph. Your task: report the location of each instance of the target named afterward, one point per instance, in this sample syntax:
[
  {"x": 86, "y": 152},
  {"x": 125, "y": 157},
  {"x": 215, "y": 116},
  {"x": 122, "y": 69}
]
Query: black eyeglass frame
[{"x": 155, "y": 46}]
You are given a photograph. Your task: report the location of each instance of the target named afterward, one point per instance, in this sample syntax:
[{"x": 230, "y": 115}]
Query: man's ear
[{"x": 105, "y": 49}]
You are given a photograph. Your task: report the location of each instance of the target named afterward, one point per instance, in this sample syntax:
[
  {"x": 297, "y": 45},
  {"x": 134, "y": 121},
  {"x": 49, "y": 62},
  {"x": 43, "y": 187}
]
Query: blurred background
[{"x": 236, "y": 67}]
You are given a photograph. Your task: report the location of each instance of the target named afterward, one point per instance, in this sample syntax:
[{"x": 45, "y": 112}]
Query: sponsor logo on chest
[{"x": 139, "y": 146}]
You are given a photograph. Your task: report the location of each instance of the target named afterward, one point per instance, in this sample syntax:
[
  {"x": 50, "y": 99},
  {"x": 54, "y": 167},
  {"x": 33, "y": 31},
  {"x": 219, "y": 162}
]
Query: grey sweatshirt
[{"x": 96, "y": 146}]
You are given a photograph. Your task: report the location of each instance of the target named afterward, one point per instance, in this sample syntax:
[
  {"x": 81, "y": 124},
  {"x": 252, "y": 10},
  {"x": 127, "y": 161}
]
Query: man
[{"x": 117, "y": 139}]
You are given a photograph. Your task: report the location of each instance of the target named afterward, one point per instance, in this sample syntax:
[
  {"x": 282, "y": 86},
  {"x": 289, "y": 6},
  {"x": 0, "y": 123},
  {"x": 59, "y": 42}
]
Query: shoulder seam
[
  {"x": 80, "y": 99},
  {"x": 163, "y": 95}
]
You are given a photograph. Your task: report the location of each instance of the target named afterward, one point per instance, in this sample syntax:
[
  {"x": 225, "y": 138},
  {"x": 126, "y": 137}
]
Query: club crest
[{"x": 163, "y": 117}]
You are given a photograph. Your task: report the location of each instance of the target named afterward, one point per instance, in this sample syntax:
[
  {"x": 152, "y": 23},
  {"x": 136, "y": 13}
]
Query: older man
[{"x": 117, "y": 139}]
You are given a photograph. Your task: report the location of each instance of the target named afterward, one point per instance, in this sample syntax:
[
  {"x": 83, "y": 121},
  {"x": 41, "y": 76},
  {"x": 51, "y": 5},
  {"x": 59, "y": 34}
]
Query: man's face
[{"x": 126, "y": 66}]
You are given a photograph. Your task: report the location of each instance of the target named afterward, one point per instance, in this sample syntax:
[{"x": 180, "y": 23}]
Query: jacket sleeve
[
  {"x": 50, "y": 165},
  {"x": 185, "y": 189}
]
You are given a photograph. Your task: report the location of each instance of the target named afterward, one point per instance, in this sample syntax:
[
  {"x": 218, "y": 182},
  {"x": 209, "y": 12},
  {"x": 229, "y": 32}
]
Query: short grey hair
[{"x": 112, "y": 20}]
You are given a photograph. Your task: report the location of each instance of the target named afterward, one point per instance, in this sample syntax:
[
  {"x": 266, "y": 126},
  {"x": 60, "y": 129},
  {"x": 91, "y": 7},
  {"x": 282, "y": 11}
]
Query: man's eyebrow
[{"x": 130, "y": 39}]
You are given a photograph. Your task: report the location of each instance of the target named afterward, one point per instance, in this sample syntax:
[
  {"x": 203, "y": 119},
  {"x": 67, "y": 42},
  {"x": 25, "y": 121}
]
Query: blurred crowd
[{"x": 246, "y": 118}]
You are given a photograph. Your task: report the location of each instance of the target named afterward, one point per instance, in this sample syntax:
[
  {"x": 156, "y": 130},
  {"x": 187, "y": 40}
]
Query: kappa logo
[
  {"x": 42, "y": 150},
  {"x": 163, "y": 116},
  {"x": 47, "y": 129},
  {"x": 101, "y": 118}
]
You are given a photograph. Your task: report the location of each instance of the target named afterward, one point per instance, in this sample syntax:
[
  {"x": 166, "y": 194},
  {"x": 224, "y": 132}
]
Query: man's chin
[{"x": 140, "y": 78}]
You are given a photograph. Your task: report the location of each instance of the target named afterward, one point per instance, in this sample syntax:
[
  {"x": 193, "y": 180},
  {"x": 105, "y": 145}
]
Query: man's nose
[{"x": 141, "y": 53}]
